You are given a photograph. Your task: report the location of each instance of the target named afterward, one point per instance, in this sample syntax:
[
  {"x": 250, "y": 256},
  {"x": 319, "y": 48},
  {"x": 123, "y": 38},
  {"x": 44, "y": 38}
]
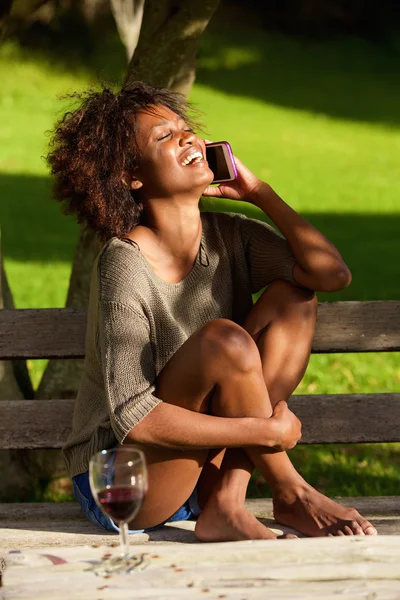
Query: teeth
[{"x": 192, "y": 158}]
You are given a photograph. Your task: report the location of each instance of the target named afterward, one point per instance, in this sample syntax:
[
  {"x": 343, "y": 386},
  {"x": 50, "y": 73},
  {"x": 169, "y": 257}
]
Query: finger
[
  {"x": 282, "y": 404},
  {"x": 212, "y": 190}
]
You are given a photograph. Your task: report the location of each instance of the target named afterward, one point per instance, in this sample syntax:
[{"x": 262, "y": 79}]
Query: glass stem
[{"x": 123, "y": 539}]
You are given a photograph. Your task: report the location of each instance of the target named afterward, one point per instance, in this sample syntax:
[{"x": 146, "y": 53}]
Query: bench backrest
[{"x": 341, "y": 327}]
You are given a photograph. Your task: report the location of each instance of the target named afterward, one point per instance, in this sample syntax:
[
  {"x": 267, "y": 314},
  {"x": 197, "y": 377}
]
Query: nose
[{"x": 187, "y": 137}]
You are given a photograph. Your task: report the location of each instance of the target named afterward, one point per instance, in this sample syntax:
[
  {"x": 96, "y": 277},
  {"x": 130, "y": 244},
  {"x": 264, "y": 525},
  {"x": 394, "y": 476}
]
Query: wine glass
[{"x": 118, "y": 481}]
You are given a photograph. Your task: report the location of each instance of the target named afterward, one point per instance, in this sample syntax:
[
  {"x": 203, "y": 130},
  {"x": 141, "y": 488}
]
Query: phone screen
[{"x": 217, "y": 162}]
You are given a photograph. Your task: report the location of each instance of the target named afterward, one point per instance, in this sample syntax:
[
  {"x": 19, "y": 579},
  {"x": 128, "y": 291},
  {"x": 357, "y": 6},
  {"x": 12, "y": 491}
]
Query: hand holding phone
[
  {"x": 236, "y": 181},
  {"x": 221, "y": 162}
]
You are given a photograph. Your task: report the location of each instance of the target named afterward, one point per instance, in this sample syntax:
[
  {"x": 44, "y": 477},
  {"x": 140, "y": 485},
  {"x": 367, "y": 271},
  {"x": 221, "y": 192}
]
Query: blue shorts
[{"x": 82, "y": 492}]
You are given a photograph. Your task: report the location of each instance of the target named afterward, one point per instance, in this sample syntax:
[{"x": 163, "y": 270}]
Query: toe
[
  {"x": 348, "y": 530},
  {"x": 356, "y": 528},
  {"x": 370, "y": 530},
  {"x": 366, "y": 527}
]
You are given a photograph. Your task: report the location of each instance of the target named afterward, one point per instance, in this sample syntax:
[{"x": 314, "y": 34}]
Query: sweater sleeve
[
  {"x": 127, "y": 364},
  {"x": 267, "y": 253}
]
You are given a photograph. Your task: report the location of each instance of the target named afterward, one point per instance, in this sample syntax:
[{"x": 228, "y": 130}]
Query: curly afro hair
[{"x": 94, "y": 146}]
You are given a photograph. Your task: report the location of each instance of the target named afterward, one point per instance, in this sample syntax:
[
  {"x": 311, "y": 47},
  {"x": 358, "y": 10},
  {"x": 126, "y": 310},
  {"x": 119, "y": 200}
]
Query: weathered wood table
[{"x": 348, "y": 568}]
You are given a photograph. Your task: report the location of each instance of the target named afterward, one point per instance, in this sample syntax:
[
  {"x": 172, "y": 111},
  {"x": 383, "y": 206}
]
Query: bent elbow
[
  {"x": 344, "y": 277},
  {"x": 340, "y": 279}
]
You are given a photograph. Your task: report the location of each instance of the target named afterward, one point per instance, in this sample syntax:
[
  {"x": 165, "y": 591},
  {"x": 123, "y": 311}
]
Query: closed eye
[{"x": 168, "y": 134}]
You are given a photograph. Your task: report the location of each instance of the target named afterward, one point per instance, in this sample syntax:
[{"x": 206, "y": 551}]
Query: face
[{"x": 172, "y": 159}]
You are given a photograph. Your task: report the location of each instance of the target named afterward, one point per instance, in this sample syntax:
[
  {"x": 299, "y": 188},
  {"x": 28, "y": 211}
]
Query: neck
[{"x": 175, "y": 226}]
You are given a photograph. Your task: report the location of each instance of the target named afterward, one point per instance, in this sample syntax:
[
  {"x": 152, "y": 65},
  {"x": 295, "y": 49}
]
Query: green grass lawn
[{"x": 319, "y": 121}]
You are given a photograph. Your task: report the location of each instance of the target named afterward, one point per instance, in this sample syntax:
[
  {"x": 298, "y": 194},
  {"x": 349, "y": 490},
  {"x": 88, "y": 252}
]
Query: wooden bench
[{"x": 60, "y": 333}]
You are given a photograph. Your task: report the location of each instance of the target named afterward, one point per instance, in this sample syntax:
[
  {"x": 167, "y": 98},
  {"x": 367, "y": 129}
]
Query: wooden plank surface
[
  {"x": 42, "y": 333},
  {"x": 346, "y": 418},
  {"x": 25, "y": 525},
  {"x": 341, "y": 327},
  {"x": 358, "y": 327},
  {"x": 327, "y": 568}
]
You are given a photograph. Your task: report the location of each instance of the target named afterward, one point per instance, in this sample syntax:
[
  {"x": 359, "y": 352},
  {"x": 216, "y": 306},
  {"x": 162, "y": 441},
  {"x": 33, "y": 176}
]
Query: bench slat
[
  {"x": 42, "y": 333},
  {"x": 346, "y": 418},
  {"x": 60, "y": 332}
]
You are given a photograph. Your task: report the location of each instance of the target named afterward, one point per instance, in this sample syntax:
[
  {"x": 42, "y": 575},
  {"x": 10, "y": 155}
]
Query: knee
[{"x": 226, "y": 342}]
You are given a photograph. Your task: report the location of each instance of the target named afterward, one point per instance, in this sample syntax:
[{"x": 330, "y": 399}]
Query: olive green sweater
[{"x": 136, "y": 321}]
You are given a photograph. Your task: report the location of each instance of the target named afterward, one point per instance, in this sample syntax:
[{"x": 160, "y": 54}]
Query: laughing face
[{"x": 172, "y": 161}]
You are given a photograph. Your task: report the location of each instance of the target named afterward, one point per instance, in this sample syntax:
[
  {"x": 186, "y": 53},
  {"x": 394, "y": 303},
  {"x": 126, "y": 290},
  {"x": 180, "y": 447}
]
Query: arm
[
  {"x": 175, "y": 427},
  {"x": 136, "y": 414},
  {"x": 319, "y": 265}
]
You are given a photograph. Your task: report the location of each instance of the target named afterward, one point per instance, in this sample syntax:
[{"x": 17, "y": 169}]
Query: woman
[{"x": 178, "y": 360}]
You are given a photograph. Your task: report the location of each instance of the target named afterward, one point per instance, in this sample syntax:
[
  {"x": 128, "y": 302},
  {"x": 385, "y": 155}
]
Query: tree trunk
[
  {"x": 128, "y": 15},
  {"x": 168, "y": 62},
  {"x": 61, "y": 377},
  {"x": 167, "y": 48}
]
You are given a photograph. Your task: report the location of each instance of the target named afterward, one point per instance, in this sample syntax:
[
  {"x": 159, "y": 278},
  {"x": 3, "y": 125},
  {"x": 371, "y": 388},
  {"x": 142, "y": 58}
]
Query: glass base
[{"x": 122, "y": 564}]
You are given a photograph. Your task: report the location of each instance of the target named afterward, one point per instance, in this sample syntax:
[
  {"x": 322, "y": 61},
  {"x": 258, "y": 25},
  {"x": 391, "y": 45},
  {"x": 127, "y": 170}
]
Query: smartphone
[{"x": 221, "y": 162}]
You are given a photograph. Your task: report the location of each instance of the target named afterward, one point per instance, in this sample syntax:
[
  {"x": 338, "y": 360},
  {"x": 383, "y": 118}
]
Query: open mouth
[{"x": 192, "y": 158}]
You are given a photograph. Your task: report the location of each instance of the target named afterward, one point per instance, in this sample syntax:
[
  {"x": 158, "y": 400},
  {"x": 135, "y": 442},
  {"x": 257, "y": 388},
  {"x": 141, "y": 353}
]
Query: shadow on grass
[
  {"x": 34, "y": 229},
  {"x": 69, "y": 46},
  {"x": 347, "y": 77},
  {"x": 32, "y": 226}
]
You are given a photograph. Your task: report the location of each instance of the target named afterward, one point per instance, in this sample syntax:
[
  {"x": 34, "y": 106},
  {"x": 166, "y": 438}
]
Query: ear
[{"x": 134, "y": 184}]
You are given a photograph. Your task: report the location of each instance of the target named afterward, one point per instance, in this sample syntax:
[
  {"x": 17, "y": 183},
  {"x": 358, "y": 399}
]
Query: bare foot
[
  {"x": 220, "y": 523},
  {"x": 315, "y": 515}
]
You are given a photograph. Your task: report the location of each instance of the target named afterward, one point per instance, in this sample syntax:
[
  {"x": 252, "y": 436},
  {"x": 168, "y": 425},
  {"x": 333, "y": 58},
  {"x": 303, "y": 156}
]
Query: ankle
[
  {"x": 289, "y": 490},
  {"x": 227, "y": 499}
]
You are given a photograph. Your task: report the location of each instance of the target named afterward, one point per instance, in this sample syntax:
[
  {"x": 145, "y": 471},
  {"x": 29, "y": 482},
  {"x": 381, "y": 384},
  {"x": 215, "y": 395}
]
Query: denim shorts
[{"x": 189, "y": 511}]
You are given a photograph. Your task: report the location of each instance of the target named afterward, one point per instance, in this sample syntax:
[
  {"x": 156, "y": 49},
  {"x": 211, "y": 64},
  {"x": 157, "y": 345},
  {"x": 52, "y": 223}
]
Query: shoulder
[
  {"x": 224, "y": 222},
  {"x": 117, "y": 256},
  {"x": 120, "y": 269},
  {"x": 231, "y": 227}
]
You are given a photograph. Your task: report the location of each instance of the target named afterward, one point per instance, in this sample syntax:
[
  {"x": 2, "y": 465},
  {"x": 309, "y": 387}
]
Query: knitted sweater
[{"x": 136, "y": 321}]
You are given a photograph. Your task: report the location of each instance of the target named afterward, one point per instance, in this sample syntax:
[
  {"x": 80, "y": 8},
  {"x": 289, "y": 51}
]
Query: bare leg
[
  {"x": 218, "y": 370},
  {"x": 221, "y": 370},
  {"x": 224, "y": 517},
  {"x": 282, "y": 324}
]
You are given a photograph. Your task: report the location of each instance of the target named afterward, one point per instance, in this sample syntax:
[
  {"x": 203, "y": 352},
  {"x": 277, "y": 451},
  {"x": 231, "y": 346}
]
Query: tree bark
[
  {"x": 169, "y": 62},
  {"x": 167, "y": 48},
  {"x": 128, "y": 15},
  {"x": 61, "y": 377}
]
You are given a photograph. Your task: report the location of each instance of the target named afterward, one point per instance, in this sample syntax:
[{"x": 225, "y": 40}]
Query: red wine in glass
[
  {"x": 120, "y": 502},
  {"x": 118, "y": 481}
]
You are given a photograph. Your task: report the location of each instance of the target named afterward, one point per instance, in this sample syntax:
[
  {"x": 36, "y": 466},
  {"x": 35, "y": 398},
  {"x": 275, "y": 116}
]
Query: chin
[{"x": 201, "y": 183}]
